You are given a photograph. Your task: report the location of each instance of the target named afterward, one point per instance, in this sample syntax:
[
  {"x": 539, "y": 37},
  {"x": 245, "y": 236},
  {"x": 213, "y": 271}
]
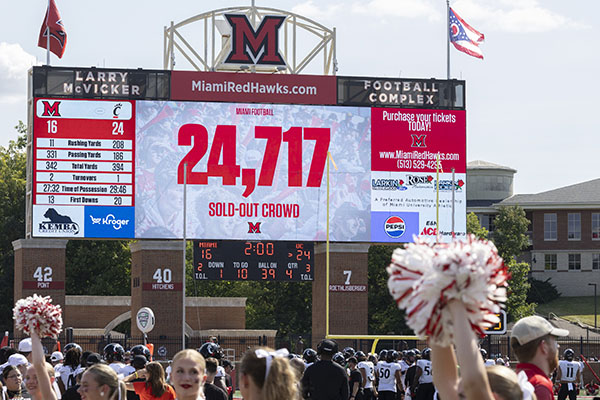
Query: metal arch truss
[{"x": 216, "y": 38}]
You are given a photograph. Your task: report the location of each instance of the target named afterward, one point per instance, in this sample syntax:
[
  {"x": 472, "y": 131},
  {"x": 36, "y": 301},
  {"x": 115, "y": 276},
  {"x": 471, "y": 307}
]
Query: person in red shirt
[
  {"x": 154, "y": 387},
  {"x": 533, "y": 341}
]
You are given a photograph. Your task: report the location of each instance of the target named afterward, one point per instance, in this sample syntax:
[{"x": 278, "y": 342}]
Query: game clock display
[{"x": 222, "y": 260}]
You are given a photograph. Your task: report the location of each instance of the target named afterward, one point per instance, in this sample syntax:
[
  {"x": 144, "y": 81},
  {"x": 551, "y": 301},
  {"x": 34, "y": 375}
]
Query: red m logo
[
  {"x": 254, "y": 47},
  {"x": 51, "y": 110},
  {"x": 254, "y": 227},
  {"x": 418, "y": 140}
]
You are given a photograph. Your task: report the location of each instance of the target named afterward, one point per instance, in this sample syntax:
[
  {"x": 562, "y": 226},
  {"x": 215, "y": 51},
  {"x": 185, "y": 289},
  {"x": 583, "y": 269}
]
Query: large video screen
[{"x": 116, "y": 169}]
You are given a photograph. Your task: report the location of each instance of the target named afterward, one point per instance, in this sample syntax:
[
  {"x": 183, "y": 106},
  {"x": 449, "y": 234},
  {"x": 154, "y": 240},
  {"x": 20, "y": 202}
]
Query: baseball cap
[
  {"x": 25, "y": 345},
  {"x": 92, "y": 359},
  {"x": 17, "y": 359},
  {"x": 534, "y": 327},
  {"x": 327, "y": 346},
  {"x": 56, "y": 356}
]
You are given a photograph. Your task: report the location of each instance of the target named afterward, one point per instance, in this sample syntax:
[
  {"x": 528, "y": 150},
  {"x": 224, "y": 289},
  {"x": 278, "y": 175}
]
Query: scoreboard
[
  {"x": 253, "y": 260},
  {"x": 120, "y": 154},
  {"x": 84, "y": 155}
]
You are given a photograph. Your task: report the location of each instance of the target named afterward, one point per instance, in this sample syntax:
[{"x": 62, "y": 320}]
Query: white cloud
[
  {"x": 373, "y": 8},
  {"x": 318, "y": 13},
  {"x": 399, "y": 8},
  {"x": 515, "y": 16},
  {"x": 14, "y": 63}
]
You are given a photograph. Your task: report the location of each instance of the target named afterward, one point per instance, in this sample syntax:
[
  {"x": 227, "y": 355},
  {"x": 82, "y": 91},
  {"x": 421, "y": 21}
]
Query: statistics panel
[{"x": 84, "y": 155}]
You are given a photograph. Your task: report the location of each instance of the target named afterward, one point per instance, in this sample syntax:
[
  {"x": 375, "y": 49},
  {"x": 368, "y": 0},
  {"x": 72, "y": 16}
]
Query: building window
[
  {"x": 574, "y": 226},
  {"x": 550, "y": 261},
  {"x": 595, "y": 226},
  {"x": 574, "y": 262},
  {"x": 596, "y": 261},
  {"x": 549, "y": 226}
]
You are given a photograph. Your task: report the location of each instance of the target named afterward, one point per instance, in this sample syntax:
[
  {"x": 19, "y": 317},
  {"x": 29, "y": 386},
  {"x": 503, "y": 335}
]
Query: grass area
[{"x": 572, "y": 308}]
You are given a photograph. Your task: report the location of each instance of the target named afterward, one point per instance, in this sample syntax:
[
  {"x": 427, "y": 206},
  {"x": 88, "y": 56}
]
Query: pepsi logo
[{"x": 394, "y": 227}]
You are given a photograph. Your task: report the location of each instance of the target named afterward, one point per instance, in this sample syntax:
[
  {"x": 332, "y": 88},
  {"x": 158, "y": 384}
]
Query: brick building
[{"x": 564, "y": 225}]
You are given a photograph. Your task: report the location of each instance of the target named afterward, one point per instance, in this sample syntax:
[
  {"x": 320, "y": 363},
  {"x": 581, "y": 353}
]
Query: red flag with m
[{"x": 53, "y": 27}]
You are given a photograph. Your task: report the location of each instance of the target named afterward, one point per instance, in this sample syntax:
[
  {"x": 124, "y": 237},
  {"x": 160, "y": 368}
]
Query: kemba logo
[
  {"x": 51, "y": 110},
  {"x": 254, "y": 227},
  {"x": 254, "y": 47}
]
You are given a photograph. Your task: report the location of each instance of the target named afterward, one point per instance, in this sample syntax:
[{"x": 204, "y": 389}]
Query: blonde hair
[
  {"x": 105, "y": 375},
  {"x": 281, "y": 382},
  {"x": 504, "y": 382},
  {"x": 194, "y": 356}
]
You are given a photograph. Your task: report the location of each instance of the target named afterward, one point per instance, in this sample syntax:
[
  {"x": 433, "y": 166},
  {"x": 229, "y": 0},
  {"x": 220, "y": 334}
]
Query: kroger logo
[
  {"x": 110, "y": 220},
  {"x": 388, "y": 184}
]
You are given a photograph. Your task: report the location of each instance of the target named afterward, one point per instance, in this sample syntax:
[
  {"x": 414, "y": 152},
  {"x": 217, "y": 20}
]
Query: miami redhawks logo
[
  {"x": 51, "y": 110},
  {"x": 418, "y": 140},
  {"x": 254, "y": 227},
  {"x": 254, "y": 47}
]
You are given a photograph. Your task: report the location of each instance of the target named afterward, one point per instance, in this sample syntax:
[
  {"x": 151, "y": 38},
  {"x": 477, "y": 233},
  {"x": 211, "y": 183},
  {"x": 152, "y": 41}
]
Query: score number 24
[{"x": 224, "y": 147}]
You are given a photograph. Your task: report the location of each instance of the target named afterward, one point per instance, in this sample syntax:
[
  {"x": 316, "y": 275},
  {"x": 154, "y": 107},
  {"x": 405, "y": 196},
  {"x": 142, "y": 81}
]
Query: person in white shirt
[
  {"x": 423, "y": 382},
  {"x": 568, "y": 375},
  {"x": 113, "y": 354},
  {"x": 388, "y": 372},
  {"x": 367, "y": 370}
]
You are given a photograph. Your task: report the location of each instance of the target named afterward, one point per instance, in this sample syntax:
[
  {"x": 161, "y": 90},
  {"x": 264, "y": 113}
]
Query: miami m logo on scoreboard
[
  {"x": 254, "y": 47},
  {"x": 51, "y": 110}
]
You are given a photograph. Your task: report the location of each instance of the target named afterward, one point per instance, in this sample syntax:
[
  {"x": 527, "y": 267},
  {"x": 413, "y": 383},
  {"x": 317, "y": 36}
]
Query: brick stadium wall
[
  {"x": 146, "y": 258},
  {"x": 348, "y": 311},
  {"x": 47, "y": 254},
  {"x": 202, "y": 313}
]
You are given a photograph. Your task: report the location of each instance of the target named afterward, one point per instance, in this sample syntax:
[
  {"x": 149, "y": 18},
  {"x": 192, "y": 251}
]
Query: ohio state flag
[{"x": 53, "y": 26}]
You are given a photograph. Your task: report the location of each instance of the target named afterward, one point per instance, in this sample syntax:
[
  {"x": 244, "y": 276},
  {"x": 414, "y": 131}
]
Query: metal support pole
[
  {"x": 184, "y": 256},
  {"x": 595, "y": 306}
]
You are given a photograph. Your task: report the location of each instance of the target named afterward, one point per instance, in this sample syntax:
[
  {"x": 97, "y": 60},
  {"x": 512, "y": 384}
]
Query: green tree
[
  {"x": 510, "y": 238},
  {"x": 510, "y": 235},
  {"x": 13, "y": 160},
  {"x": 518, "y": 289},
  {"x": 384, "y": 315},
  {"x": 474, "y": 227},
  {"x": 98, "y": 268}
]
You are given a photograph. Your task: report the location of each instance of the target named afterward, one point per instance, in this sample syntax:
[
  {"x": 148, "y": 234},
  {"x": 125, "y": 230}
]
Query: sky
[{"x": 530, "y": 103}]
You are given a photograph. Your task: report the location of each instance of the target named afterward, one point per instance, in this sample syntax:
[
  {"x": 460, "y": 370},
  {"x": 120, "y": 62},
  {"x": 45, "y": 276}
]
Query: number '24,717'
[{"x": 222, "y": 157}]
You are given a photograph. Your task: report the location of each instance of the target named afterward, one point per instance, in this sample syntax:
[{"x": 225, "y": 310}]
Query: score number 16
[{"x": 224, "y": 147}]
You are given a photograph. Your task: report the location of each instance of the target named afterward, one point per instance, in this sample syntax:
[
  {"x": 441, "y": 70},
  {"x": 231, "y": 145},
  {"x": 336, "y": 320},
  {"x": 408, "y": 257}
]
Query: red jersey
[
  {"x": 540, "y": 381},
  {"x": 145, "y": 393}
]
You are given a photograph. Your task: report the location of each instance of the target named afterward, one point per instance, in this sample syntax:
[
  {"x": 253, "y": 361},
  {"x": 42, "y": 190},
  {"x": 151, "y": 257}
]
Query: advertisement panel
[{"x": 253, "y": 88}]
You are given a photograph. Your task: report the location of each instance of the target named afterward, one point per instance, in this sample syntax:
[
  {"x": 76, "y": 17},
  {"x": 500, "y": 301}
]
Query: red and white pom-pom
[
  {"x": 38, "y": 311},
  {"x": 425, "y": 276}
]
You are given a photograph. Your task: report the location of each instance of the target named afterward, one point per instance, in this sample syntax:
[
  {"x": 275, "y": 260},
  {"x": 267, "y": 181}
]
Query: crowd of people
[{"x": 458, "y": 371}]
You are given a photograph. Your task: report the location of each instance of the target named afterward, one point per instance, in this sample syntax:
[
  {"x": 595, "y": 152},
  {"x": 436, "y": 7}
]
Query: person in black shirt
[
  {"x": 212, "y": 391},
  {"x": 325, "y": 380},
  {"x": 228, "y": 366},
  {"x": 356, "y": 385}
]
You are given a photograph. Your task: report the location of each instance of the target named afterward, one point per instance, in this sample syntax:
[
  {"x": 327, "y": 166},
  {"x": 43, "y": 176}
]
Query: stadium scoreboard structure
[{"x": 110, "y": 151}]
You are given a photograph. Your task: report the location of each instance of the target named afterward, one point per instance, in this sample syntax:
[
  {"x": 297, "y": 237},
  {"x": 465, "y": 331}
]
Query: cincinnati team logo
[
  {"x": 418, "y": 140},
  {"x": 249, "y": 46},
  {"x": 394, "y": 227},
  {"x": 51, "y": 110},
  {"x": 254, "y": 227},
  {"x": 117, "y": 110}
]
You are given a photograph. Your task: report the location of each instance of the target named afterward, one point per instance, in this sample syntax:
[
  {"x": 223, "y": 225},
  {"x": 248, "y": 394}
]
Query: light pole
[{"x": 595, "y": 312}]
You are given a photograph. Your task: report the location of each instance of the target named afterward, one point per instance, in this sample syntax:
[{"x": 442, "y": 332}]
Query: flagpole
[
  {"x": 48, "y": 34},
  {"x": 448, "y": 38}
]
